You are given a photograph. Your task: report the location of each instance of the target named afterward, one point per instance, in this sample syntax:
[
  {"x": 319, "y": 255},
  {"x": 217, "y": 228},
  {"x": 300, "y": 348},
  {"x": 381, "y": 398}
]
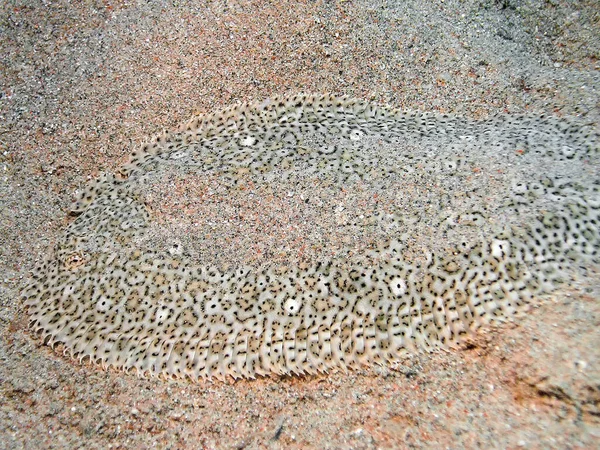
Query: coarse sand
[{"x": 83, "y": 84}]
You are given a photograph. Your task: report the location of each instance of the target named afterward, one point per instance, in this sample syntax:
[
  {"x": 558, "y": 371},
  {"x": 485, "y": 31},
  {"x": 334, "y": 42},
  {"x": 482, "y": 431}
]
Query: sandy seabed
[{"x": 83, "y": 84}]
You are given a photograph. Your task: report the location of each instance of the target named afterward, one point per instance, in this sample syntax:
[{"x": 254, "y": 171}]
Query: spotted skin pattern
[{"x": 481, "y": 217}]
